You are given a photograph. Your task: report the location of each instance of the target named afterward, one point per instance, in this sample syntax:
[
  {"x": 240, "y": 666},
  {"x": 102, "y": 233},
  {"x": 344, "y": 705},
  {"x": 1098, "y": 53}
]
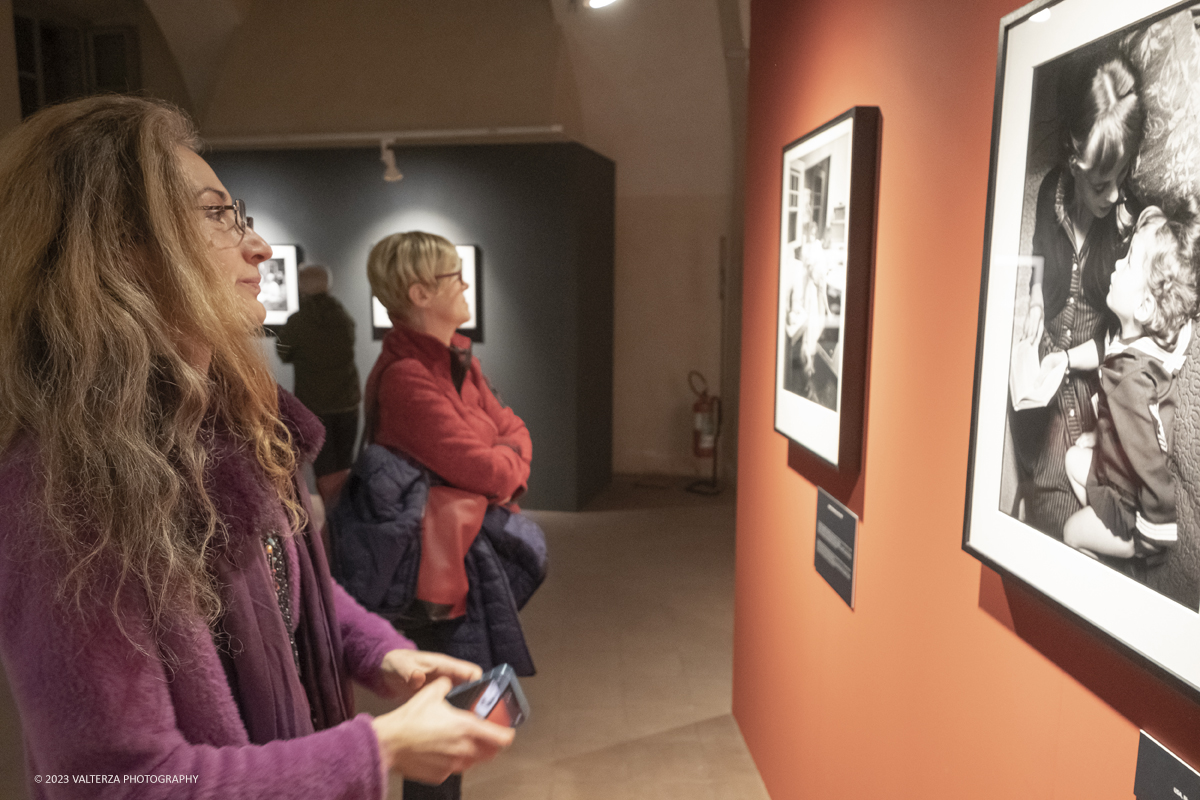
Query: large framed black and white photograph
[
  {"x": 472, "y": 273},
  {"x": 279, "y": 285},
  {"x": 826, "y": 262},
  {"x": 1084, "y": 473}
]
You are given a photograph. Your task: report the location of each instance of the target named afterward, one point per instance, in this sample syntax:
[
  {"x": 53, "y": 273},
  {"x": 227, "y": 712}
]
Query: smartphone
[{"x": 496, "y": 697}]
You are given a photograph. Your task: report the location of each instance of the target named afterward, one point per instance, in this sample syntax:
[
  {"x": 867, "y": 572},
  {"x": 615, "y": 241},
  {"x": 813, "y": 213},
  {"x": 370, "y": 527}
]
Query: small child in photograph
[{"x": 1120, "y": 471}]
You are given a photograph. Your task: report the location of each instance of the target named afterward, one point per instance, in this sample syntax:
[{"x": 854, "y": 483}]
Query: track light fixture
[{"x": 388, "y": 157}]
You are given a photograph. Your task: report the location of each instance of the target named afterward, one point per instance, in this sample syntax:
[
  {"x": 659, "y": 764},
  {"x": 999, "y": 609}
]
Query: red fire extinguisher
[
  {"x": 706, "y": 427},
  {"x": 704, "y": 417}
]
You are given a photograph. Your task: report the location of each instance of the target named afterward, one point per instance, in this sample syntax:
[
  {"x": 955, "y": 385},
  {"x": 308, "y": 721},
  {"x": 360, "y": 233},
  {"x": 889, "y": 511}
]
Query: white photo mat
[
  {"x": 279, "y": 286},
  {"x": 810, "y": 423},
  {"x": 466, "y": 252}
]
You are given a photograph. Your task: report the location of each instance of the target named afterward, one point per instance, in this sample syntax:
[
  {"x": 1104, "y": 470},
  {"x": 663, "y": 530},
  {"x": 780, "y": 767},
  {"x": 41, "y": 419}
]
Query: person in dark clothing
[
  {"x": 1078, "y": 235},
  {"x": 319, "y": 341},
  {"x": 1121, "y": 472}
]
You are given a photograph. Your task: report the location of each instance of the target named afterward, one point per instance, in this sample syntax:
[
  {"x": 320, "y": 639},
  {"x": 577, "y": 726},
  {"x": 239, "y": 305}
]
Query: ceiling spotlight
[
  {"x": 597, "y": 3},
  {"x": 390, "y": 173}
]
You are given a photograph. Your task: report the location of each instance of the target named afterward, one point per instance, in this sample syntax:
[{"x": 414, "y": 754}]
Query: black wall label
[
  {"x": 1161, "y": 775},
  {"x": 837, "y": 529}
]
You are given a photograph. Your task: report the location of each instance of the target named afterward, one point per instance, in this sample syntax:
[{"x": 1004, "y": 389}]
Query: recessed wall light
[
  {"x": 1041, "y": 16},
  {"x": 598, "y": 3}
]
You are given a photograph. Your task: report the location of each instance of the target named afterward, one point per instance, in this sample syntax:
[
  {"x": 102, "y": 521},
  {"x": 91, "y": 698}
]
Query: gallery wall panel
[
  {"x": 542, "y": 217},
  {"x": 944, "y": 681}
]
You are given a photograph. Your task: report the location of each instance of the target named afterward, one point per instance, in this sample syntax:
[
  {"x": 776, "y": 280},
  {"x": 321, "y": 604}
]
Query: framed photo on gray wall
[
  {"x": 472, "y": 273},
  {"x": 1084, "y": 471},
  {"x": 826, "y": 267},
  {"x": 279, "y": 287}
]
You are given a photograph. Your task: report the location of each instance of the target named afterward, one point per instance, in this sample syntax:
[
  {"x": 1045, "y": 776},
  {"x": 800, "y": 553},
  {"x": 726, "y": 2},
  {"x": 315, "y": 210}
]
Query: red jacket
[{"x": 467, "y": 438}]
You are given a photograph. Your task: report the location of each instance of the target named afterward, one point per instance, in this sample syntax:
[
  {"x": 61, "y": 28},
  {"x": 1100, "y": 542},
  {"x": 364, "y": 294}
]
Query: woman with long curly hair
[{"x": 167, "y": 620}]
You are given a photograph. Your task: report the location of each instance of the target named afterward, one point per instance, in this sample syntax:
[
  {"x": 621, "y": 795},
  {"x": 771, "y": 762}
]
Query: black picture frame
[
  {"x": 472, "y": 262},
  {"x": 828, "y": 214},
  {"x": 1148, "y": 605}
]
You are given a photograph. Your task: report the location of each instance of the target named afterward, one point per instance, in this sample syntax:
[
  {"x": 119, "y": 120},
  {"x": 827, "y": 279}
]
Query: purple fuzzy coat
[{"x": 95, "y": 710}]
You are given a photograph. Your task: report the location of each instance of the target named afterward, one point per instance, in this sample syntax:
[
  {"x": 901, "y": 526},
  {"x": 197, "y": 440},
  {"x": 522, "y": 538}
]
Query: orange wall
[{"x": 944, "y": 682}]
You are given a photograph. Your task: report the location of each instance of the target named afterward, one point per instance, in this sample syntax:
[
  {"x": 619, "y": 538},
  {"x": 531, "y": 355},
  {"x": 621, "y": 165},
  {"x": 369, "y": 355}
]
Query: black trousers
[
  {"x": 433, "y": 637},
  {"x": 450, "y": 790},
  {"x": 338, "y": 452}
]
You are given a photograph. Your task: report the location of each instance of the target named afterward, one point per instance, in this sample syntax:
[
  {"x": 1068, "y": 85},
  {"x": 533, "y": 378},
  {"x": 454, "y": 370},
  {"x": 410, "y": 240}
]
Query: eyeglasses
[
  {"x": 457, "y": 275},
  {"x": 230, "y": 223}
]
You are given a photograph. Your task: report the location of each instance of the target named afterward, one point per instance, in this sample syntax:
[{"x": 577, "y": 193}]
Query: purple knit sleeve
[
  {"x": 103, "y": 716},
  {"x": 366, "y": 638}
]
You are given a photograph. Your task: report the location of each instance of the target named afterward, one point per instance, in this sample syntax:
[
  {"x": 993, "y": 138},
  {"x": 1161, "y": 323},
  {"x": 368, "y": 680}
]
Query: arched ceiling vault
[{"x": 198, "y": 32}]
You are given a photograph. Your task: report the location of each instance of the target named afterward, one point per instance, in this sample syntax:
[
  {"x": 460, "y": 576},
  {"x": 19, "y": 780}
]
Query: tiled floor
[{"x": 632, "y": 636}]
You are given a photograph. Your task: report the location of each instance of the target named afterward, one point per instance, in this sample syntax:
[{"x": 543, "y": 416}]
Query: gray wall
[{"x": 542, "y": 216}]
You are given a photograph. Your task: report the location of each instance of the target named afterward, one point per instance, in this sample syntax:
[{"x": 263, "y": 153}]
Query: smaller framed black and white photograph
[
  {"x": 279, "y": 288},
  {"x": 826, "y": 265},
  {"x": 472, "y": 274}
]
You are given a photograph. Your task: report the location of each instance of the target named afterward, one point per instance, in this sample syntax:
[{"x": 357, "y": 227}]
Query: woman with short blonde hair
[
  {"x": 427, "y": 399},
  {"x": 403, "y": 260}
]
